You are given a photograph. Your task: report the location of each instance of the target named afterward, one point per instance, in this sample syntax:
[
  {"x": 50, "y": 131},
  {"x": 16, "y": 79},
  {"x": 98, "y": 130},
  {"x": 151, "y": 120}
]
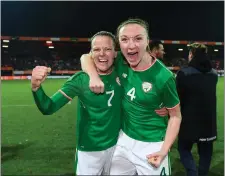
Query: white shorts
[
  {"x": 130, "y": 158},
  {"x": 93, "y": 163}
]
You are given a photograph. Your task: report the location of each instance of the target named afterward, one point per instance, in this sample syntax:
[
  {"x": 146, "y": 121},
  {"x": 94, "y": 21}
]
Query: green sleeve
[
  {"x": 119, "y": 60},
  {"x": 49, "y": 105},
  {"x": 170, "y": 96},
  {"x": 74, "y": 84},
  {"x": 119, "y": 63}
]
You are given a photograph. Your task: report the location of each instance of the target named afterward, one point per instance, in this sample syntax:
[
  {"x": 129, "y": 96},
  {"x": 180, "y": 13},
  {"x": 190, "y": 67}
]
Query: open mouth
[
  {"x": 103, "y": 60},
  {"x": 132, "y": 56},
  {"x": 132, "y": 53}
]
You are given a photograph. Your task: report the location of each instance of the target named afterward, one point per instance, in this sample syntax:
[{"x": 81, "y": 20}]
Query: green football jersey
[
  {"x": 144, "y": 92},
  {"x": 98, "y": 119}
]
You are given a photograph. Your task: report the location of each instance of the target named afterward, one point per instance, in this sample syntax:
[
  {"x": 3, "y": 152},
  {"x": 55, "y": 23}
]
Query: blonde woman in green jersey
[
  {"x": 98, "y": 119},
  {"x": 145, "y": 138}
]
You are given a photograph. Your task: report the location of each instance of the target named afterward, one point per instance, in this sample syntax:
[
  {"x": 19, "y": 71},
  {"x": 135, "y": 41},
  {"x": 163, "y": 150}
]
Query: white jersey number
[
  {"x": 110, "y": 98},
  {"x": 131, "y": 93}
]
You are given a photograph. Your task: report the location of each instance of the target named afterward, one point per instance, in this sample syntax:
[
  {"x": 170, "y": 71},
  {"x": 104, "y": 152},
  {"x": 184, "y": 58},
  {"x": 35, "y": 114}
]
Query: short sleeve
[
  {"x": 119, "y": 60},
  {"x": 73, "y": 86},
  {"x": 170, "y": 96}
]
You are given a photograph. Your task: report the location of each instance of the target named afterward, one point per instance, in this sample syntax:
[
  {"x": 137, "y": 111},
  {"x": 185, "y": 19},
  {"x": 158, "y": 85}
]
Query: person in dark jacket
[
  {"x": 157, "y": 49},
  {"x": 196, "y": 85}
]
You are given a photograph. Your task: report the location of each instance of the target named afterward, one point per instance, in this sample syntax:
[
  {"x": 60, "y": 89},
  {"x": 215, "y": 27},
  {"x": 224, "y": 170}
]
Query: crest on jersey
[
  {"x": 146, "y": 86},
  {"x": 118, "y": 81},
  {"x": 124, "y": 75}
]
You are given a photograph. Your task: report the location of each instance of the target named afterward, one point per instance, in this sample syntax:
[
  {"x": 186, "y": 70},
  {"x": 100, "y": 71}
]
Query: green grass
[{"x": 34, "y": 144}]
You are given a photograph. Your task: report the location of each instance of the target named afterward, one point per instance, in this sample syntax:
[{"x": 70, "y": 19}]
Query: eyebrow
[
  {"x": 97, "y": 47},
  {"x": 139, "y": 35}
]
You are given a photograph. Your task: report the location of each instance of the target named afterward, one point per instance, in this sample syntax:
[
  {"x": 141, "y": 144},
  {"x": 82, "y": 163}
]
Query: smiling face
[
  {"x": 133, "y": 40},
  {"x": 103, "y": 53}
]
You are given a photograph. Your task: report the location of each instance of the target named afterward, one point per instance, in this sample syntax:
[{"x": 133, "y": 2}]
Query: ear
[
  {"x": 190, "y": 55},
  {"x": 154, "y": 50}
]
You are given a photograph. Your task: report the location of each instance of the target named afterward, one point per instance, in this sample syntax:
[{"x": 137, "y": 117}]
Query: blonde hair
[{"x": 199, "y": 47}]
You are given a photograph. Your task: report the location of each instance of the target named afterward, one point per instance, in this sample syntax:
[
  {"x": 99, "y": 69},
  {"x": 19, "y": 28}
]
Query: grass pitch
[{"x": 34, "y": 144}]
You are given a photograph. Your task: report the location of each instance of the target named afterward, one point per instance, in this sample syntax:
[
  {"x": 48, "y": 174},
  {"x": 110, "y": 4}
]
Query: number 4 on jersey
[
  {"x": 163, "y": 172},
  {"x": 131, "y": 93}
]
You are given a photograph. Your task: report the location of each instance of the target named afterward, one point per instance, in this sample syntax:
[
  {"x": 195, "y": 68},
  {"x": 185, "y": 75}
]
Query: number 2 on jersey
[
  {"x": 110, "y": 98},
  {"x": 131, "y": 93}
]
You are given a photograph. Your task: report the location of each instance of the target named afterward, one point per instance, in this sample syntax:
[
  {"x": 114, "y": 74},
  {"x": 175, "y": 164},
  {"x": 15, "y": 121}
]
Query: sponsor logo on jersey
[
  {"x": 118, "y": 81},
  {"x": 124, "y": 75},
  {"x": 161, "y": 105},
  {"x": 124, "y": 62},
  {"x": 146, "y": 86}
]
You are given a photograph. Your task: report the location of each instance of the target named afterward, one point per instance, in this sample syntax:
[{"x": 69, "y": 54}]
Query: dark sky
[{"x": 203, "y": 20}]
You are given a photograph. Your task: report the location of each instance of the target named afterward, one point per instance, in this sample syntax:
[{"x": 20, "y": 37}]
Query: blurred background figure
[
  {"x": 157, "y": 49},
  {"x": 196, "y": 86}
]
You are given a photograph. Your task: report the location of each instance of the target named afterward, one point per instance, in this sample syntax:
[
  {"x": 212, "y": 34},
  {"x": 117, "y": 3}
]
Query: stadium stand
[{"x": 19, "y": 57}]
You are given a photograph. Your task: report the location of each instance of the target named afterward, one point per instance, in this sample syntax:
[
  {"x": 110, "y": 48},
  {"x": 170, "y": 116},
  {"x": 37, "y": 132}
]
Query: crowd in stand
[
  {"x": 28, "y": 63},
  {"x": 25, "y": 55},
  {"x": 24, "y": 63}
]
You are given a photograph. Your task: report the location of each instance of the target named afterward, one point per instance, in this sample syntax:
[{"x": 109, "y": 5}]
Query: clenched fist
[
  {"x": 39, "y": 74},
  {"x": 96, "y": 85}
]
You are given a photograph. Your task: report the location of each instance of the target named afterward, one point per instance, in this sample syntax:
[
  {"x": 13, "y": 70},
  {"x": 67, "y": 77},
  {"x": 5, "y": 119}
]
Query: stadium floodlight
[
  {"x": 48, "y": 41},
  {"x": 216, "y": 50},
  {"x": 5, "y": 41},
  {"x": 51, "y": 47},
  {"x": 180, "y": 49},
  {"x": 5, "y": 46}
]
